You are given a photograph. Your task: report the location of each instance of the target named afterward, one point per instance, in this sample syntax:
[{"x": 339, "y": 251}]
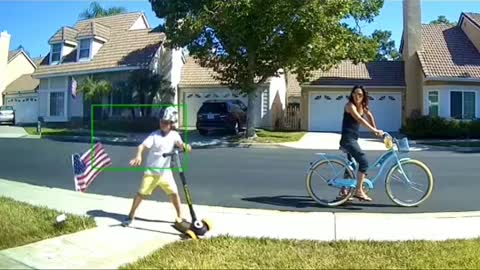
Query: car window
[
  {"x": 219, "y": 107},
  {"x": 242, "y": 106},
  {"x": 6, "y": 108}
]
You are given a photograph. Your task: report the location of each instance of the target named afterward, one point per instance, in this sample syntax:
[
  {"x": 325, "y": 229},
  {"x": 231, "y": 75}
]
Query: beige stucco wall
[
  {"x": 18, "y": 67},
  {"x": 412, "y": 43},
  {"x": 472, "y": 32}
]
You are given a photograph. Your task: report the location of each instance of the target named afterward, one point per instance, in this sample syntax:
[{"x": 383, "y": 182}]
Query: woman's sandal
[{"x": 363, "y": 198}]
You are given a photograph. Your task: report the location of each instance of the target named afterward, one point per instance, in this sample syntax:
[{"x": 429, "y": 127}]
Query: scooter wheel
[
  {"x": 190, "y": 234},
  {"x": 207, "y": 223}
]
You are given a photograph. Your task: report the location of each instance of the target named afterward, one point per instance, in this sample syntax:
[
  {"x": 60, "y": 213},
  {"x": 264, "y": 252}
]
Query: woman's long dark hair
[{"x": 365, "y": 96}]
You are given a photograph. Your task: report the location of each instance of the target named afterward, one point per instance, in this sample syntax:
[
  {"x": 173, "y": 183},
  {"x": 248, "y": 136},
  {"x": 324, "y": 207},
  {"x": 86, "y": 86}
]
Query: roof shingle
[
  {"x": 381, "y": 73},
  {"x": 91, "y": 29},
  {"x": 64, "y": 34},
  {"x": 124, "y": 48},
  {"x": 447, "y": 52},
  {"x": 24, "y": 83},
  {"x": 193, "y": 74}
]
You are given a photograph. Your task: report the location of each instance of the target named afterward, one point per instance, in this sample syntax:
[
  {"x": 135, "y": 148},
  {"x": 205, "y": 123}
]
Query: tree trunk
[
  {"x": 251, "y": 114},
  {"x": 251, "y": 90}
]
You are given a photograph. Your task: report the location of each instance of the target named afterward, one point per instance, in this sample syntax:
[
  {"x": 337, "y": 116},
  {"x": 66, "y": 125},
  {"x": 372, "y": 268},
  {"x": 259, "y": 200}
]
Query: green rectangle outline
[{"x": 117, "y": 169}]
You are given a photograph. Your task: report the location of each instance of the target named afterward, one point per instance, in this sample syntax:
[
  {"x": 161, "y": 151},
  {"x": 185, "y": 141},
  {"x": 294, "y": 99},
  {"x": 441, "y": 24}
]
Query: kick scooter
[{"x": 197, "y": 227}]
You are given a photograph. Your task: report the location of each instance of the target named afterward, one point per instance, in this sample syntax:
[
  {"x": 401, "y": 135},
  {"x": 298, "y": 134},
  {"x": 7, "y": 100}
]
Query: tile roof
[
  {"x": 124, "y": 48},
  {"x": 193, "y": 74},
  {"x": 447, "y": 52},
  {"x": 92, "y": 28},
  {"x": 24, "y": 83},
  {"x": 381, "y": 73},
  {"x": 64, "y": 33},
  {"x": 293, "y": 86}
]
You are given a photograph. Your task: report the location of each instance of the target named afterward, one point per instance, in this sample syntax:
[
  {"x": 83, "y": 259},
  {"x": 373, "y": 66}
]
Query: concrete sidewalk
[
  {"x": 110, "y": 245},
  {"x": 331, "y": 141}
]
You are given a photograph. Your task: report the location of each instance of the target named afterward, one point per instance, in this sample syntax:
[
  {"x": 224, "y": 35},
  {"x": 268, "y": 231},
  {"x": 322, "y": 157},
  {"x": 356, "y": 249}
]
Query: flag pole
[{"x": 73, "y": 167}]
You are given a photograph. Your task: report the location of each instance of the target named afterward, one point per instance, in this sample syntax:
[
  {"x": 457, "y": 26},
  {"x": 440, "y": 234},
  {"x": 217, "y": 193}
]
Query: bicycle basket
[{"x": 403, "y": 145}]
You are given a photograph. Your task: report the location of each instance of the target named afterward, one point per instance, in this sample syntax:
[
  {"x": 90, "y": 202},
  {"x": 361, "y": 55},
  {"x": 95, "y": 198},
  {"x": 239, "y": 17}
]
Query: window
[
  {"x": 57, "y": 100},
  {"x": 462, "y": 105},
  {"x": 84, "y": 50},
  {"x": 56, "y": 53},
  {"x": 433, "y": 103}
]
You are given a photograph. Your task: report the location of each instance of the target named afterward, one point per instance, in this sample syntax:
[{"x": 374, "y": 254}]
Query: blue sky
[{"x": 32, "y": 23}]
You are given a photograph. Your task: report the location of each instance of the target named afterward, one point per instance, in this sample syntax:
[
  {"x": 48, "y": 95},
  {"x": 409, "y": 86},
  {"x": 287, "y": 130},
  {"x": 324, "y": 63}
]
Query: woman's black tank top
[{"x": 350, "y": 127}]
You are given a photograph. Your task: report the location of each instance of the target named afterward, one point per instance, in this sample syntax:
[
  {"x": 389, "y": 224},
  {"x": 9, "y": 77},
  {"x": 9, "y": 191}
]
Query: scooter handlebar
[{"x": 171, "y": 154}]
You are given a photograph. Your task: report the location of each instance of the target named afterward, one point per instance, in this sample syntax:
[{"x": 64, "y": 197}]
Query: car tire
[{"x": 202, "y": 132}]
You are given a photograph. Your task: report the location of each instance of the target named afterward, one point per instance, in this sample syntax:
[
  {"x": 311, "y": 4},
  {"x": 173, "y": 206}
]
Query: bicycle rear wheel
[
  {"x": 410, "y": 184},
  {"x": 319, "y": 177}
]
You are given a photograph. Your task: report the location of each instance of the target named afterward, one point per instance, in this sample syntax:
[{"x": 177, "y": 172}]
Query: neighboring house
[
  {"x": 198, "y": 84},
  {"x": 324, "y": 97},
  {"x": 439, "y": 75},
  {"x": 17, "y": 86},
  {"x": 107, "y": 48}
]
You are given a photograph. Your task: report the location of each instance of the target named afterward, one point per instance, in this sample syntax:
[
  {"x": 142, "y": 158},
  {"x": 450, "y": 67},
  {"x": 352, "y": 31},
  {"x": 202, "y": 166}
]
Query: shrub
[{"x": 426, "y": 127}]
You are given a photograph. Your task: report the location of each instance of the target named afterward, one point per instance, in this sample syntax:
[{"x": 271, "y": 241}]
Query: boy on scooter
[{"x": 158, "y": 143}]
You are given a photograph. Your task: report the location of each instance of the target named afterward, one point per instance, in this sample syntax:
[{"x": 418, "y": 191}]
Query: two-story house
[
  {"x": 110, "y": 48},
  {"x": 438, "y": 75}
]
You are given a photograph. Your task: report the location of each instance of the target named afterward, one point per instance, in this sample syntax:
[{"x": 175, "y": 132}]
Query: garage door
[
  {"x": 26, "y": 108},
  {"x": 326, "y": 110},
  {"x": 195, "y": 99}
]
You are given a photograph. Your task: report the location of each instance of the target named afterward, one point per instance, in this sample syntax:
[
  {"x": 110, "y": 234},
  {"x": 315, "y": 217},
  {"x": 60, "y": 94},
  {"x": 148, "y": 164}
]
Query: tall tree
[
  {"x": 247, "y": 41},
  {"x": 96, "y": 10},
  {"x": 443, "y": 20},
  {"x": 386, "y": 49}
]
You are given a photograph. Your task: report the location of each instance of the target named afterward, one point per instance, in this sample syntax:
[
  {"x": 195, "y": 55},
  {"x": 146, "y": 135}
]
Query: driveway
[
  {"x": 12, "y": 132},
  {"x": 331, "y": 141}
]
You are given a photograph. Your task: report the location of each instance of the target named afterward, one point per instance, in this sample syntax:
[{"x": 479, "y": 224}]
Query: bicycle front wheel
[
  {"x": 319, "y": 177},
  {"x": 410, "y": 183}
]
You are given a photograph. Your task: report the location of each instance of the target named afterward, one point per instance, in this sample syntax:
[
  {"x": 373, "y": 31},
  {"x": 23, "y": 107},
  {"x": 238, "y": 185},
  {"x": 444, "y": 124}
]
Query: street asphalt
[{"x": 239, "y": 177}]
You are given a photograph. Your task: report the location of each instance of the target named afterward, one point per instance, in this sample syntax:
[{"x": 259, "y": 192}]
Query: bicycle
[{"x": 397, "y": 175}]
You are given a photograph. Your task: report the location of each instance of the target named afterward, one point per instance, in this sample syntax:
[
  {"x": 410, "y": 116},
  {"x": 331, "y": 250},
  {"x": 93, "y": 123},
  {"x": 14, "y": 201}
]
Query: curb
[{"x": 195, "y": 145}]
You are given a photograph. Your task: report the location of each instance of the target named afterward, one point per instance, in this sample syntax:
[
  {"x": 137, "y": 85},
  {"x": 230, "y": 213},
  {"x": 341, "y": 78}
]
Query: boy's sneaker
[{"x": 126, "y": 222}]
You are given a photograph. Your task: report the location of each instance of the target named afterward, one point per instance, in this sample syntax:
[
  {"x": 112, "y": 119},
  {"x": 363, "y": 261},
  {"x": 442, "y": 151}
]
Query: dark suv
[{"x": 222, "y": 115}]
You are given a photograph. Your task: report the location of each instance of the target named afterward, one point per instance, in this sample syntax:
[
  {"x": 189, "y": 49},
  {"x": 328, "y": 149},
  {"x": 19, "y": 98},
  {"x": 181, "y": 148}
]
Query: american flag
[
  {"x": 84, "y": 170},
  {"x": 74, "y": 87}
]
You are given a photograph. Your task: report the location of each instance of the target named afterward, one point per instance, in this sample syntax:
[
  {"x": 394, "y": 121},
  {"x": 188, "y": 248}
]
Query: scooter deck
[{"x": 183, "y": 226}]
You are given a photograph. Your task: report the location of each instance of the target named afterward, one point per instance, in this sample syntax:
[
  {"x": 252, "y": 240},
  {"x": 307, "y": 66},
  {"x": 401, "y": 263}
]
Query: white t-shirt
[{"x": 159, "y": 145}]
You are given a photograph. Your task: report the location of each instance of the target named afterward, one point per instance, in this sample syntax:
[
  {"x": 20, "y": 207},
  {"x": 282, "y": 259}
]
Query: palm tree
[
  {"x": 94, "y": 90},
  {"x": 96, "y": 10},
  {"x": 147, "y": 85}
]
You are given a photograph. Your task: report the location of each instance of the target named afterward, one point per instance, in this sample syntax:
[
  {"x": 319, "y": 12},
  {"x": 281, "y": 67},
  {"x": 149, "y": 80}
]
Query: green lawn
[
  {"x": 265, "y": 136},
  {"x": 458, "y": 144},
  {"x": 71, "y": 132},
  {"x": 243, "y": 253},
  {"x": 57, "y": 132},
  {"x": 22, "y": 223}
]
